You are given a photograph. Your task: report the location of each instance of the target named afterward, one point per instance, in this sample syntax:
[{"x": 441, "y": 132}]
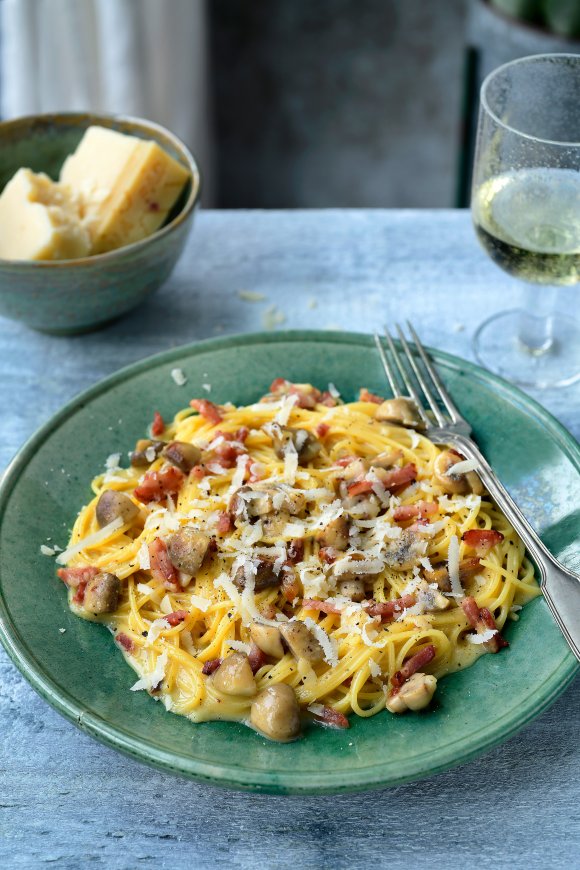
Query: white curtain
[{"x": 138, "y": 57}]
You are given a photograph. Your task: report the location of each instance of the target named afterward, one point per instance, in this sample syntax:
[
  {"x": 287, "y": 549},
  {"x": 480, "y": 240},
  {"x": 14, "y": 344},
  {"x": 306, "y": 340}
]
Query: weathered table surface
[{"x": 66, "y": 800}]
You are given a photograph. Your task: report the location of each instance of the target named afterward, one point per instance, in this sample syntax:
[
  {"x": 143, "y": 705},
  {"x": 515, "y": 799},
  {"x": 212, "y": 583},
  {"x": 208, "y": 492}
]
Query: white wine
[{"x": 528, "y": 221}]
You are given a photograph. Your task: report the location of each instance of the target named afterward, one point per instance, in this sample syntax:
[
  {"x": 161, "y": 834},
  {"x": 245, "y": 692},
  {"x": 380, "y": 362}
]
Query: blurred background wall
[
  {"x": 286, "y": 103},
  {"x": 352, "y": 102}
]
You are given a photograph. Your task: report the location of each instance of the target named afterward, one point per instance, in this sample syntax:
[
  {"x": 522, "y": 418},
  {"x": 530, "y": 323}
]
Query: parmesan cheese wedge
[{"x": 126, "y": 186}]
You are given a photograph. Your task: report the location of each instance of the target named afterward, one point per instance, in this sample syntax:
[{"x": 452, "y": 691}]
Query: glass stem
[{"x": 535, "y": 333}]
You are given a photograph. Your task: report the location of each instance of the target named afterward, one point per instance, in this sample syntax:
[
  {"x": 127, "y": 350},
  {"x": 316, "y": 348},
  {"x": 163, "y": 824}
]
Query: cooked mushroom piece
[
  {"x": 234, "y": 676},
  {"x": 335, "y": 534},
  {"x": 183, "y": 455},
  {"x": 405, "y": 551},
  {"x": 385, "y": 460},
  {"x": 113, "y": 504},
  {"x": 102, "y": 593},
  {"x": 305, "y": 444},
  {"x": 455, "y": 484},
  {"x": 415, "y": 694},
  {"x": 468, "y": 568},
  {"x": 401, "y": 411},
  {"x": 301, "y": 642},
  {"x": 353, "y": 589},
  {"x": 432, "y": 598},
  {"x": 268, "y": 638},
  {"x": 146, "y": 452},
  {"x": 265, "y": 575},
  {"x": 187, "y": 549},
  {"x": 274, "y": 524},
  {"x": 259, "y": 501},
  {"x": 276, "y": 714}
]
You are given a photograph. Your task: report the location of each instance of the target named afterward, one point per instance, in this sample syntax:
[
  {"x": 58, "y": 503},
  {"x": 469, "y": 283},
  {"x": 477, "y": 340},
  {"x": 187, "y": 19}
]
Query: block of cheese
[
  {"x": 39, "y": 220},
  {"x": 126, "y": 186}
]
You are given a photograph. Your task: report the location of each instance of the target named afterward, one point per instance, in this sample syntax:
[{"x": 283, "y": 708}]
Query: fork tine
[
  {"x": 420, "y": 378},
  {"x": 407, "y": 381},
  {"x": 445, "y": 397},
  {"x": 389, "y": 371}
]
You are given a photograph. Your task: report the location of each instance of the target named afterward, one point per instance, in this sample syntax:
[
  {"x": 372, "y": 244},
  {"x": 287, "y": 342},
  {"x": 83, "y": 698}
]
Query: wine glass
[{"x": 525, "y": 206}]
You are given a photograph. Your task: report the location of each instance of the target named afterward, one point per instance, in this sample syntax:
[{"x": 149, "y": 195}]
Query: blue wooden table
[{"x": 69, "y": 802}]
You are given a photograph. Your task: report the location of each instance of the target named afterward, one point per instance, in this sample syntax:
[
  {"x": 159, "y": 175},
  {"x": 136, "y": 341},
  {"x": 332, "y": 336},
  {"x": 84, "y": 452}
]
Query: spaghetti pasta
[{"x": 301, "y": 542}]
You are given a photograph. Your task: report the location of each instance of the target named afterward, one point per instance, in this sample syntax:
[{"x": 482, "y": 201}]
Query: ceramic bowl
[{"x": 64, "y": 297}]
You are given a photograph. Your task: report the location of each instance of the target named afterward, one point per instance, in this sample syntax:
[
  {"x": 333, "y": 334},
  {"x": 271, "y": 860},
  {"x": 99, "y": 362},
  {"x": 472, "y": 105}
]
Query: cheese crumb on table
[
  {"x": 273, "y": 317},
  {"x": 251, "y": 295}
]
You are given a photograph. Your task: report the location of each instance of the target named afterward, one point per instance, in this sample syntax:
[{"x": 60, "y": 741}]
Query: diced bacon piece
[
  {"x": 208, "y": 410},
  {"x": 306, "y": 399},
  {"x": 412, "y": 665},
  {"x": 345, "y": 461},
  {"x": 73, "y": 577},
  {"x": 308, "y": 396},
  {"x": 224, "y": 523},
  {"x": 399, "y": 477},
  {"x": 227, "y": 454},
  {"x": 295, "y": 551},
  {"x": 198, "y": 472},
  {"x": 177, "y": 617},
  {"x": 471, "y": 610},
  {"x": 158, "y": 424},
  {"x": 162, "y": 568},
  {"x": 322, "y": 430},
  {"x": 497, "y": 642},
  {"x": 328, "y": 554},
  {"x": 79, "y": 596},
  {"x": 126, "y": 642},
  {"x": 388, "y": 609},
  {"x": 77, "y": 579},
  {"x": 358, "y": 487},
  {"x": 481, "y": 619},
  {"x": 321, "y": 606},
  {"x": 332, "y": 718},
  {"x": 256, "y": 658},
  {"x": 327, "y": 399},
  {"x": 422, "y": 510},
  {"x": 405, "y": 512},
  {"x": 156, "y": 485},
  {"x": 268, "y": 611},
  {"x": 365, "y": 396},
  {"x": 482, "y": 540},
  {"x": 239, "y": 435},
  {"x": 211, "y": 666}
]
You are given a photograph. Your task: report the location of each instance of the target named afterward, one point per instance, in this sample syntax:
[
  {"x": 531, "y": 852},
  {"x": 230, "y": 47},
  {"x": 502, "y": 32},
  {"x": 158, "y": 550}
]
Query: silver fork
[{"x": 561, "y": 587}]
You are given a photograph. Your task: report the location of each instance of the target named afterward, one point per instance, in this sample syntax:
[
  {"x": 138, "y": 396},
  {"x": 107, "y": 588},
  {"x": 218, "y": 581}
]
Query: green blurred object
[
  {"x": 524, "y": 10},
  {"x": 562, "y": 16},
  {"x": 64, "y": 297}
]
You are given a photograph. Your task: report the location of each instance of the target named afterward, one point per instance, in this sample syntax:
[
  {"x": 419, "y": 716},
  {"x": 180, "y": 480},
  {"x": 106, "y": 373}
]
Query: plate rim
[{"x": 230, "y": 776}]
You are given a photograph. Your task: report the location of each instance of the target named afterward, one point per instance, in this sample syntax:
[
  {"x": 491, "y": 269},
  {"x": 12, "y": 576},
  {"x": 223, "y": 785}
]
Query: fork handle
[{"x": 561, "y": 587}]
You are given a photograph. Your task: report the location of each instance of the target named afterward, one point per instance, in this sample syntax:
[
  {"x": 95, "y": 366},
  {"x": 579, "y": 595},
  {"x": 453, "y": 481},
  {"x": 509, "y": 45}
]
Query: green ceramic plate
[{"x": 84, "y": 677}]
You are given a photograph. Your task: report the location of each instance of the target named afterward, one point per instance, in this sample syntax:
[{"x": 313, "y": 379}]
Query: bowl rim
[{"x": 96, "y": 117}]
